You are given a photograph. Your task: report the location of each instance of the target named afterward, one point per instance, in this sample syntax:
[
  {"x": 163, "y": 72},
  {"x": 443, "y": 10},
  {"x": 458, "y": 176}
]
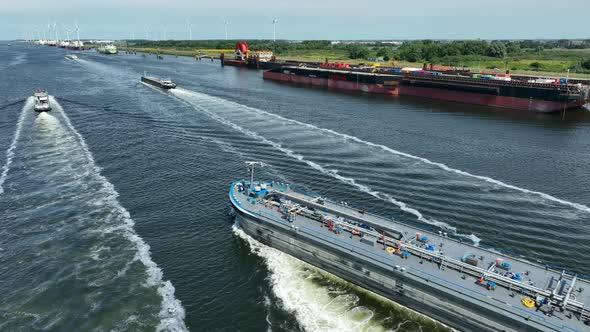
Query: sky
[{"x": 300, "y": 19}]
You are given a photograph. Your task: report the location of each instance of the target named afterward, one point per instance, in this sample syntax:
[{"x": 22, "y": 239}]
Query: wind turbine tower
[
  {"x": 189, "y": 26},
  {"x": 67, "y": 32},
  {"x": 225, "y": 24},
  {"x": 78, "y": 32},
  {"x": 274, "y": 29},
  {"x": 55, "y": 30}
]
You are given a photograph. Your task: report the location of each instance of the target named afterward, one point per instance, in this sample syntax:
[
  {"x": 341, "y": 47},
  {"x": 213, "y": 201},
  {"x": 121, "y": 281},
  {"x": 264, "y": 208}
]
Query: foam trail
[
  {"x": 311, "y": 304},
  {"x": 18, "y": 60},
  {"x": 10, "y": 152},
  {"x": 171, "y": 311},
  {"x": 330, "y": 172},
  {"x": 316, "y": 307},
  {"x": 577, "y": 206}
]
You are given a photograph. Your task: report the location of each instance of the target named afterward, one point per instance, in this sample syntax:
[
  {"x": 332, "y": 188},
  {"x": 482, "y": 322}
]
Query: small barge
[
  {"x": 438, "y": 274},
  {"x": 162, "y": 83}
]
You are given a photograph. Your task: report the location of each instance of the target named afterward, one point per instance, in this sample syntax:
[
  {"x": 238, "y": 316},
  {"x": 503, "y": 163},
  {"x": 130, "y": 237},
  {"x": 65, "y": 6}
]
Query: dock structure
[{"x": 432, "y": 273}]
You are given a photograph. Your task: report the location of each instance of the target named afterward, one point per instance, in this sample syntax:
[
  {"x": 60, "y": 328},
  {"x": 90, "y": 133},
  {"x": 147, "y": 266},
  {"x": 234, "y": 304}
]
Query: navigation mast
[{"x": 251, "y": 165}]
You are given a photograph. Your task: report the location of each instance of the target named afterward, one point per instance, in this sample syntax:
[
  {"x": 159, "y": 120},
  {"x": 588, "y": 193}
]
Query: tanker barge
[
  {"x": 162, "y": 83},
  {"x": 438, "y": 274},
  {"x": 502, "y": 91}
]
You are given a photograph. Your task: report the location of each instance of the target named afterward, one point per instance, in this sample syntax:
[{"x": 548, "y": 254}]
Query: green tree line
[{"x": 452, "y": 53}]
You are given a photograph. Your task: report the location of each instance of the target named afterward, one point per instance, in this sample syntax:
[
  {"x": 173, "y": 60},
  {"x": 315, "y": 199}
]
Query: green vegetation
[
  {"x": 527, "y": 56},
  {"x": 356, "y": 51},
  {"x": 503, "y": 55}
]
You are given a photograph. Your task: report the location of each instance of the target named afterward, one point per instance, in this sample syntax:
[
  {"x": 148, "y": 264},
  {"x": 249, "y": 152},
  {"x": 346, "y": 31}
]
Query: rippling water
[{"x": 114, "y": 208}]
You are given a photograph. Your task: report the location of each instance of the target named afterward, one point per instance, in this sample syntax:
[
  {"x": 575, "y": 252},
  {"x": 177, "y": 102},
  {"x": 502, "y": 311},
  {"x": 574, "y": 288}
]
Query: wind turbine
[
  {"x": 274, "y": 29},
  {"x": 225, "y": 24},
  {"x": 147, "y": 32},
  {"x": 165, "y": 32},
  {"x": 67, "y": 32},
  {"x": 55, "y": 30},
  {"x": 48, "y": 30},
  {"x": 77, "y": 32},
  {"x": 34, "y": 31},
  {"x": 67, "y": 41},
  {"x": 189, "y": 25}
]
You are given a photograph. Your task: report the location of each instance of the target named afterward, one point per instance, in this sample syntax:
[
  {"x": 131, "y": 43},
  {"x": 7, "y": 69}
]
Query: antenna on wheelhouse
[{"x": 251, "y": 166}]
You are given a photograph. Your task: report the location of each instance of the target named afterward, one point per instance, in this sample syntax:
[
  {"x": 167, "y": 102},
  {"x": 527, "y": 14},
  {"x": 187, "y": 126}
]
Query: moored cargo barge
[
  {"x": 464, "y": 286},
  {"x": 487, "y": 90},
  {"x": 243, "y": 57}
]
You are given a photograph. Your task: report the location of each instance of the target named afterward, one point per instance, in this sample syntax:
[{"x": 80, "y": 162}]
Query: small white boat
[
  {"x": 41, "y": 100},
  {"x": 72, "y": 56}
]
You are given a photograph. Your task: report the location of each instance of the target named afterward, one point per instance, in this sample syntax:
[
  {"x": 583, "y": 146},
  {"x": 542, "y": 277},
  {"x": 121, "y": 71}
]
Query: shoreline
[{"x": 214, "y": 53}]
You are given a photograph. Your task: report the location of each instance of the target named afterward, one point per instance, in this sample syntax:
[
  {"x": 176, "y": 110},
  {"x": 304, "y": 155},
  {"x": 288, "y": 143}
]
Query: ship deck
[
  {"x": 518, "y": 80},
  {"x": 437, "y": 260}
]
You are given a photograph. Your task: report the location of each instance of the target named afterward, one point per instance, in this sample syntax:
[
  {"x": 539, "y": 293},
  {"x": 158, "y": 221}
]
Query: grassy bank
[{"x": 177, "y": 51}]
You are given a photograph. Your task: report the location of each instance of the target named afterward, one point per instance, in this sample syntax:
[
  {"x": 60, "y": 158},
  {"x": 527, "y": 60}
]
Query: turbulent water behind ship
[{"x": 74, "y": 237}]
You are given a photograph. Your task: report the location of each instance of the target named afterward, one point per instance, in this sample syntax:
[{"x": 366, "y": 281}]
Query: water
[{"x": 114, "y": 208}]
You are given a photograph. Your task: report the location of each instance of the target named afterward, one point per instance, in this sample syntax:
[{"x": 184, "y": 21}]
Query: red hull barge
[
  {"x": 519, "y": 95},
  {"x": 250, "y": 64},
  {"x": 252, "y": 60}
]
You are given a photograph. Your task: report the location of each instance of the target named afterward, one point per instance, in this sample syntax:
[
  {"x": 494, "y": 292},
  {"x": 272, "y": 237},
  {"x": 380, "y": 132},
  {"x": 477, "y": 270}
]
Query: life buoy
[
  {"x": 390, "y": 250},
  {"x": 528, "y": 302}
]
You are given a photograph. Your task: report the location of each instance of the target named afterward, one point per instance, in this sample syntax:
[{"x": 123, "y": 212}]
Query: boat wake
[
  {"x": 323, "y": 302},
  {"x": 171, "y": 311},
  {"x": 27, "y": 108},
  {"x": 62, "y": 217},
  {"x": 185, "y": 96},
  {"x": 442, "y": 166},
  {"x": 12, "y": 103},
  {"x": 17, "y": 60},
  {"x": 433, "y": 193}
]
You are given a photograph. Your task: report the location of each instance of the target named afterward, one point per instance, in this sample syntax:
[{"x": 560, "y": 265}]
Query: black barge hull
[
  {"x": 155, "y": 82},
  {"x": 418, "y": 293}
]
